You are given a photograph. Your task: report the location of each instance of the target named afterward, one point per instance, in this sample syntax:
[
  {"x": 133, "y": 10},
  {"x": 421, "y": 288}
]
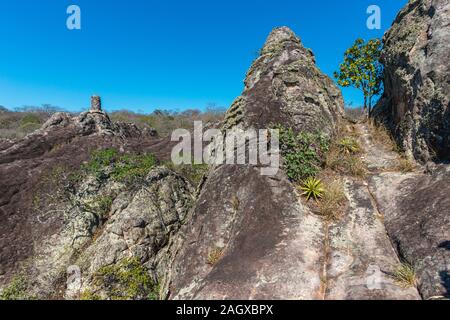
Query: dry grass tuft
[
  {"x": 405, "y": 165},
  {"x": 349, "y": 145},
  {"x": 214, "y": 256},
  {"x": 344, "y": 155},
  {"x": 355, "y": 114},
  {"x": 235, "y": 203},
  {"x": 405, "y": 275},
  {"x": 381, "y": 135},
  {"x": 333, "y": 199}
]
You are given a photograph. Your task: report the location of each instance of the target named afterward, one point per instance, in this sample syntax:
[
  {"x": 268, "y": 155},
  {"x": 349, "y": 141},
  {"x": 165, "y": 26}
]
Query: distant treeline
[{"x": 17, "y": 123}]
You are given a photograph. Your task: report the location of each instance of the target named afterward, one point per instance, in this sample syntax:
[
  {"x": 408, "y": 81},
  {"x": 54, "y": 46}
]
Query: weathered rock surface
[
  {"x": 414, "y": 209},
  {"x": 63, "y": 141},
  {"x": 362, "y": 258},
  {"x": 139, "y": 224},
  {"x": 271, "y": 246},
  {"x": 285, "y": 86},
  {"x": 418, "y": 221},
  {"x": 416, "y": 103},
  {"x": 241, "y": 235}
]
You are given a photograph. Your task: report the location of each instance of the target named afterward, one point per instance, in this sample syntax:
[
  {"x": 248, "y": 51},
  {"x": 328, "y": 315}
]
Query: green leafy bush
[
  {"x": 29, "y": 123},
  {"x": 303, "y": 153},
  {"x": 126, "y": 168},
  {"x": 194, "y": 173},
  {"x": 127, "y": 280},
  {"x": 130, "y": 167},
  {"x": 99, "y": 160},
  {"x": 16, "y": 290},
  {"x": 30, "y": 118},
  {"x": 101, "y": 205}
]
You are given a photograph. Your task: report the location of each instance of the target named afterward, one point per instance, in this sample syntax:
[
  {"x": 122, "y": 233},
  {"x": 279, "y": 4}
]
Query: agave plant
[
  {"x": 349, "y": 145},
  {"x": 312, "y": 188}
]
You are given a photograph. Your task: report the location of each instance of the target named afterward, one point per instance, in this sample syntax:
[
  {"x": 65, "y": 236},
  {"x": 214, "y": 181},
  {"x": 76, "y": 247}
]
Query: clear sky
[{"x": 171, "y": 54}]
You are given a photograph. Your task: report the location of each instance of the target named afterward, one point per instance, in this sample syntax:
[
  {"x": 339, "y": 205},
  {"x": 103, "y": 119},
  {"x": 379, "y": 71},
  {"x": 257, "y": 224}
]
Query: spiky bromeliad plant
[
  {"x": 349, "y": 145},
  {"x": 312, "y": 188}
]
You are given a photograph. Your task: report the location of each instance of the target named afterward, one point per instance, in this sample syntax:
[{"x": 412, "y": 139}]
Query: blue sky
[{"x": 142, "y": 55}]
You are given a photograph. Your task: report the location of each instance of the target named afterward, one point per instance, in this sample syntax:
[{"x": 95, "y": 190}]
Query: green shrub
[
  {"x": 303, "y": 153},
  {"x": 127, "y": 280},
  {"x": 130, "y": 167},
  {"x": 193, "y": 172},
  {"x": 16, "y": 290},
  {"x": 29, "y": 127},
  {"x": 126, "y": 168},
  {"x": 101, "y": 205},
  {"x": 30, "y": 118},
  {"x": 99, "y": 160}
]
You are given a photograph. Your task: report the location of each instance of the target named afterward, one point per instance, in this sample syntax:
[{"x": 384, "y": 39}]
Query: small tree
[{"x": 362, "y": 69}]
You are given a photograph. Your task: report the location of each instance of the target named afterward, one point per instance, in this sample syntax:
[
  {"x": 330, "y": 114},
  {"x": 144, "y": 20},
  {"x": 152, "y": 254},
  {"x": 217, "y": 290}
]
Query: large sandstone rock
[
  {"x": 252, "y": 237},
  {"x": 269, "y": 245},
  {"x": 140, "y": 225},
  {"x": 416, "y": 209},
  {"x": 285, "y": 86},
  {"x": 416, "y": 103},
  {"x": 64, "y": 142}
]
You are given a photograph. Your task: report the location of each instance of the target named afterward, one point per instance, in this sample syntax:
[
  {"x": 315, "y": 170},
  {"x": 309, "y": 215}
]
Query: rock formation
[
  {"x": 77, "y": 227},
  {"x": 416, "y": 106},
  {"x": 418, "y": 222},
  {"x": 416, "y": 103},
  {"x": 271, "y": 245},
  {"x": 285, "y": 86},
  {"x": 64, "y": 142}
]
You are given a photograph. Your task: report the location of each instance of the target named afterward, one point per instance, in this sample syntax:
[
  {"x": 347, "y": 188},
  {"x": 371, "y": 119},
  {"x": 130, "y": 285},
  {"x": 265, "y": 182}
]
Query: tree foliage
[{"x": 362, "y": 69}]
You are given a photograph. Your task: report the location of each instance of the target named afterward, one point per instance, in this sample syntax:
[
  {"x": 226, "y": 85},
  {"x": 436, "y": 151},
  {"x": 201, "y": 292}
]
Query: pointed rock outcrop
[
  {"x": 249, "y": 237},
  {"x": 285, "y": 86}
]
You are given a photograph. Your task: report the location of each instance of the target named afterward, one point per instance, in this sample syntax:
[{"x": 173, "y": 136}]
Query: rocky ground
[{"x": 92, "y": 209}]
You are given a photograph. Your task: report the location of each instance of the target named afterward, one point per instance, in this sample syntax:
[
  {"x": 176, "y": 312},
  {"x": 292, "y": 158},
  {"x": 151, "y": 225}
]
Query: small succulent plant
[
  {"x": 349, "y": 145},
  {"x": 312, "y": 188}
]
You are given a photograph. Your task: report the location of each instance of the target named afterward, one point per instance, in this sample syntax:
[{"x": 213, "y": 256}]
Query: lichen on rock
[{"x": 416, "y": 102}]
